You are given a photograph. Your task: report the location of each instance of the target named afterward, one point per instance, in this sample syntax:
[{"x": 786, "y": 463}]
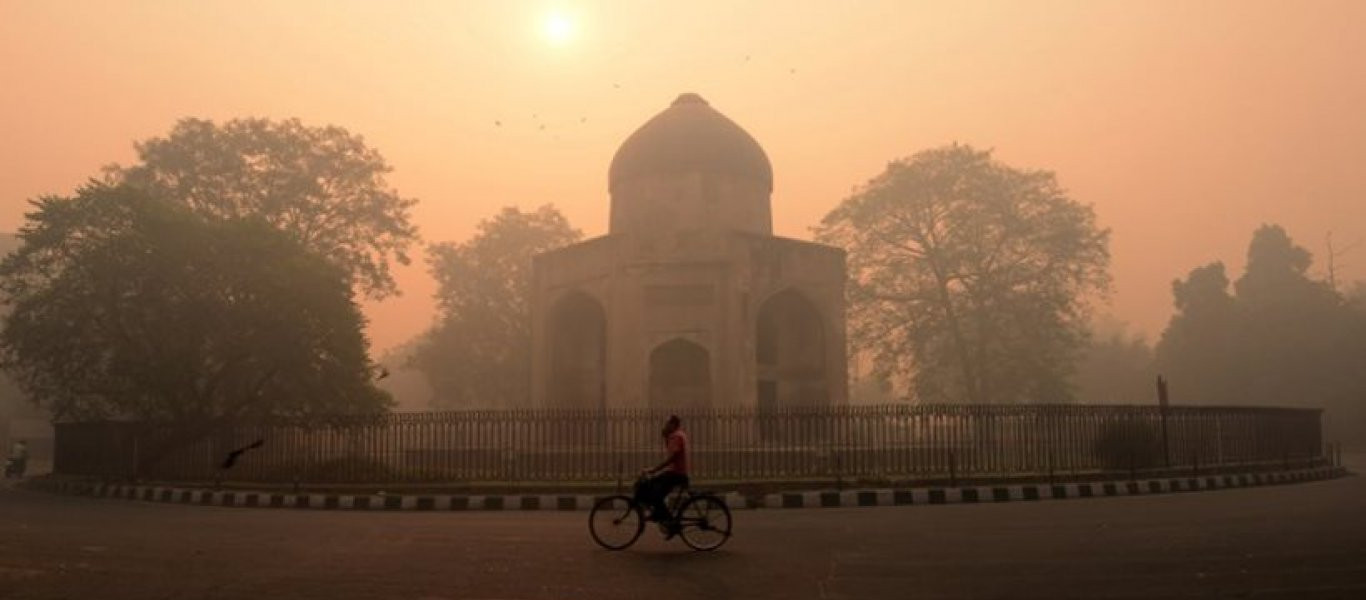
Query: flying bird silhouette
[{"x": 235, "y": 454}]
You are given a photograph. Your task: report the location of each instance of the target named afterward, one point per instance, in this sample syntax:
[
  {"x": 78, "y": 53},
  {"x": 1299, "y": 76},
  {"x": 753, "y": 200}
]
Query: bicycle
[
  {"x": 15, "y": 467},
  {"x": 701, "y": 518}
]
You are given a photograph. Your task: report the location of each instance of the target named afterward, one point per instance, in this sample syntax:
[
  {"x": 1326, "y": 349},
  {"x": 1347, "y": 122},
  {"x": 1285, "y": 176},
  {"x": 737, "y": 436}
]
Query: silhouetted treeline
[
  {"x": 478, "y": 353},
  {"x": 127, "y": 305},
  {"x": 213, "y": 280},
  {"x": 1277, "y": 336}
]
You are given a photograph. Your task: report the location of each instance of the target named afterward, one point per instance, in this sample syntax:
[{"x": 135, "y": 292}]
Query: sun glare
[{"x": 558, "y": 28}]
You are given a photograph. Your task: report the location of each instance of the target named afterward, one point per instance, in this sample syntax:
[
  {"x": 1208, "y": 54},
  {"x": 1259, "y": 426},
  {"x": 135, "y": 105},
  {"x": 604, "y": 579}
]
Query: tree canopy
[
  {"x": 969, "y": 277},
  {"x": 322, "y": 185},
  {"x": 12, "y": 401},
  {"x": 1199, "y": 345},
  {"x": 478, "y": 354},
  {"x": 1279, "y": 337},
  {"x": 127, "y": 305}
]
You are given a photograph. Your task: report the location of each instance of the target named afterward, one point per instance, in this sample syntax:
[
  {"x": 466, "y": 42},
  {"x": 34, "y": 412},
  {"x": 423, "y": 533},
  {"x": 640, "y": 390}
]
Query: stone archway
[
  {"x": 578, "y": 353},
  {"x": 680, "y": 376},
  {"x": 790, "y": 353}
]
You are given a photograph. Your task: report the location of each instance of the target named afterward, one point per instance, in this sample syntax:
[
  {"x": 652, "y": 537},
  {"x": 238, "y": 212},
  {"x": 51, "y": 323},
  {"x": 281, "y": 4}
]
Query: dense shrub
[{"x": 1128, "y": 444}]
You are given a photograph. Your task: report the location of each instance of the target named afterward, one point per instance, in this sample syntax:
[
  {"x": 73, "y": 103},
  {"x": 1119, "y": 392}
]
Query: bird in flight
[{"x": 235, "y": 454}]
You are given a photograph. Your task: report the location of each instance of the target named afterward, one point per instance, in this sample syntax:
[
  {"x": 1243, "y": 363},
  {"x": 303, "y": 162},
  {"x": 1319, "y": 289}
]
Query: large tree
[
  {"x": 1199, "y": 349},
  {"x": 479, "y": 352},
  {"x": 322, "y": 185},
  {"x": 970, "y": 277},
  {"x": 1282, "y": 337},
  {"x": 125, "y": 305},
  {"x": 1293, "y": 323},
  {"x": 12, "y": 401}
]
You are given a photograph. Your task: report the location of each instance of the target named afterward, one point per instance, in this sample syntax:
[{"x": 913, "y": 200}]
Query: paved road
[{"x": 1298, "y": 541}]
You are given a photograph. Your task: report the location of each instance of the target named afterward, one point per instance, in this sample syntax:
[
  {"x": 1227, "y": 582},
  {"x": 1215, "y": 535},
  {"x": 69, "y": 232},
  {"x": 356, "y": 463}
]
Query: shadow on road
[{"x": 681, "y": 555}]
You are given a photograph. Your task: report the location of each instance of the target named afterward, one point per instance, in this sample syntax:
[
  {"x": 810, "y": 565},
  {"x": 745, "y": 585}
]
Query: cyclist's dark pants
[
  {"x": 15, "y": 467},
  {"x": 654, "y": 490}
]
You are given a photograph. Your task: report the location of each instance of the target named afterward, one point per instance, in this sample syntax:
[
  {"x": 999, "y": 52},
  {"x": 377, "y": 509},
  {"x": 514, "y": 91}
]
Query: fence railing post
[
  {"x": 1218, "y": 441},
  {"x": 953, "y": 468},
  {"x": 886, "y": 443}
]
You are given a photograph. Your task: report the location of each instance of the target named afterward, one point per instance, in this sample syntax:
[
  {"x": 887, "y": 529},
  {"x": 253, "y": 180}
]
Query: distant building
[{"x": 689, "y": 301}]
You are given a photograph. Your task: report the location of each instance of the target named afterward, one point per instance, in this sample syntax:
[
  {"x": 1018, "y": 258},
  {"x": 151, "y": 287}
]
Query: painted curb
[
  {"x": 373, "y": 502},
  {"x": 1038, "y": 492},
  {"x": 786, "y": 500}
]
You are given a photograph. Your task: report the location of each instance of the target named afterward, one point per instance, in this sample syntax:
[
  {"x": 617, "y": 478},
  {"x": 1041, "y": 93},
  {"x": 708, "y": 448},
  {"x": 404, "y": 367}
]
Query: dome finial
[{"x": 689, "y": 98}]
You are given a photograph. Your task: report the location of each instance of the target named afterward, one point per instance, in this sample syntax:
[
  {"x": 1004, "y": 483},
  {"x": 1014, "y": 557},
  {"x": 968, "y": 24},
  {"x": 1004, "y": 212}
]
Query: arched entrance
[
  {"x": 578, "y": 353},
  {"x": 680, "y": 376},
  {"x": 790, "y": 353}
]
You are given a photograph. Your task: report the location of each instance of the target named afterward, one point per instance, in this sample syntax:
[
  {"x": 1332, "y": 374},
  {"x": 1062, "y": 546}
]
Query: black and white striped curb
[
  {"x": 562, "y": 502},
  {"x": 1035, "y": 492},
  {"x": 247, "y": 498}
]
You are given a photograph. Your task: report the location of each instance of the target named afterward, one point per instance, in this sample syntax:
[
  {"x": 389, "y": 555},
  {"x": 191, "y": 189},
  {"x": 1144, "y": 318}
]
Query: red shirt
[{"x": 677, "y": 444}]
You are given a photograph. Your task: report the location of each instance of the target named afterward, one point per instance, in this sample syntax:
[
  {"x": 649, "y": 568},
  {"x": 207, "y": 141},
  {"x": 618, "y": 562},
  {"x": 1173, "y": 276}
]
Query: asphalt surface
[{"x": 1293, "y": 541}]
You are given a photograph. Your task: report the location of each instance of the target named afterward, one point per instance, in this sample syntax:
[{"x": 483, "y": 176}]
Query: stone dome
[{"x": 690, "y": 137}]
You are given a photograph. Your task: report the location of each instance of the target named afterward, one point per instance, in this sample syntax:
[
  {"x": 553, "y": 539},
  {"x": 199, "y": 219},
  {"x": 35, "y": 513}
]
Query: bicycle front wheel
[
  {"x": 704, "y": 523},
  {"x": 616, "y": 522}
]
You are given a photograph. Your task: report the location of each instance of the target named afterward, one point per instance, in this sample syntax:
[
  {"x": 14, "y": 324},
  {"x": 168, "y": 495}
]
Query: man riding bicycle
[
  {"x": 18, "y": 460},
  {"x": 700, "y": 518},
  {"x": 668, "y": 475}
]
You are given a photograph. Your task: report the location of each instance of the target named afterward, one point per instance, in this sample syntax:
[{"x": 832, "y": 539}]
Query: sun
[{"x": 558, "y": 28}]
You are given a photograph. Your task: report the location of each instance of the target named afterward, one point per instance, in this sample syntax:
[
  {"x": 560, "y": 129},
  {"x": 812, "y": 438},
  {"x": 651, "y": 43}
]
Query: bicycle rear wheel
[
  {"x": 615, "y": 522},
  {"x": 704, "y": 523}
]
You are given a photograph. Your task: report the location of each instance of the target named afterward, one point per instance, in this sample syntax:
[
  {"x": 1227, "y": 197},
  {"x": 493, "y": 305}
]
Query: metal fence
[{"x": 864, "y": 442}]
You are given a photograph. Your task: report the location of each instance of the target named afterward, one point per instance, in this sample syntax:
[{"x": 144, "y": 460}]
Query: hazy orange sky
[{"x": 1187, "y": 124}]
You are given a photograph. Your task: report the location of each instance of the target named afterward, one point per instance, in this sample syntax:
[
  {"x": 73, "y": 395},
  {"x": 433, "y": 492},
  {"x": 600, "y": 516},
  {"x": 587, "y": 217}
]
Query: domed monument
[{"x": 689, "y": 301}]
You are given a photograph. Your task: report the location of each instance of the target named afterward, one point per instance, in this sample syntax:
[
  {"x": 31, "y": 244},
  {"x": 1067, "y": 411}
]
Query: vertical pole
[
  {"x": 1162, "y": 411},
  {"x": 1218, "y": 439},
  {"x": 136, "y": 458},
  {"x": 953, "y": 468},
  {"x": 1050, "y": 468},
  {"x": 1132, "y": 444}
]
